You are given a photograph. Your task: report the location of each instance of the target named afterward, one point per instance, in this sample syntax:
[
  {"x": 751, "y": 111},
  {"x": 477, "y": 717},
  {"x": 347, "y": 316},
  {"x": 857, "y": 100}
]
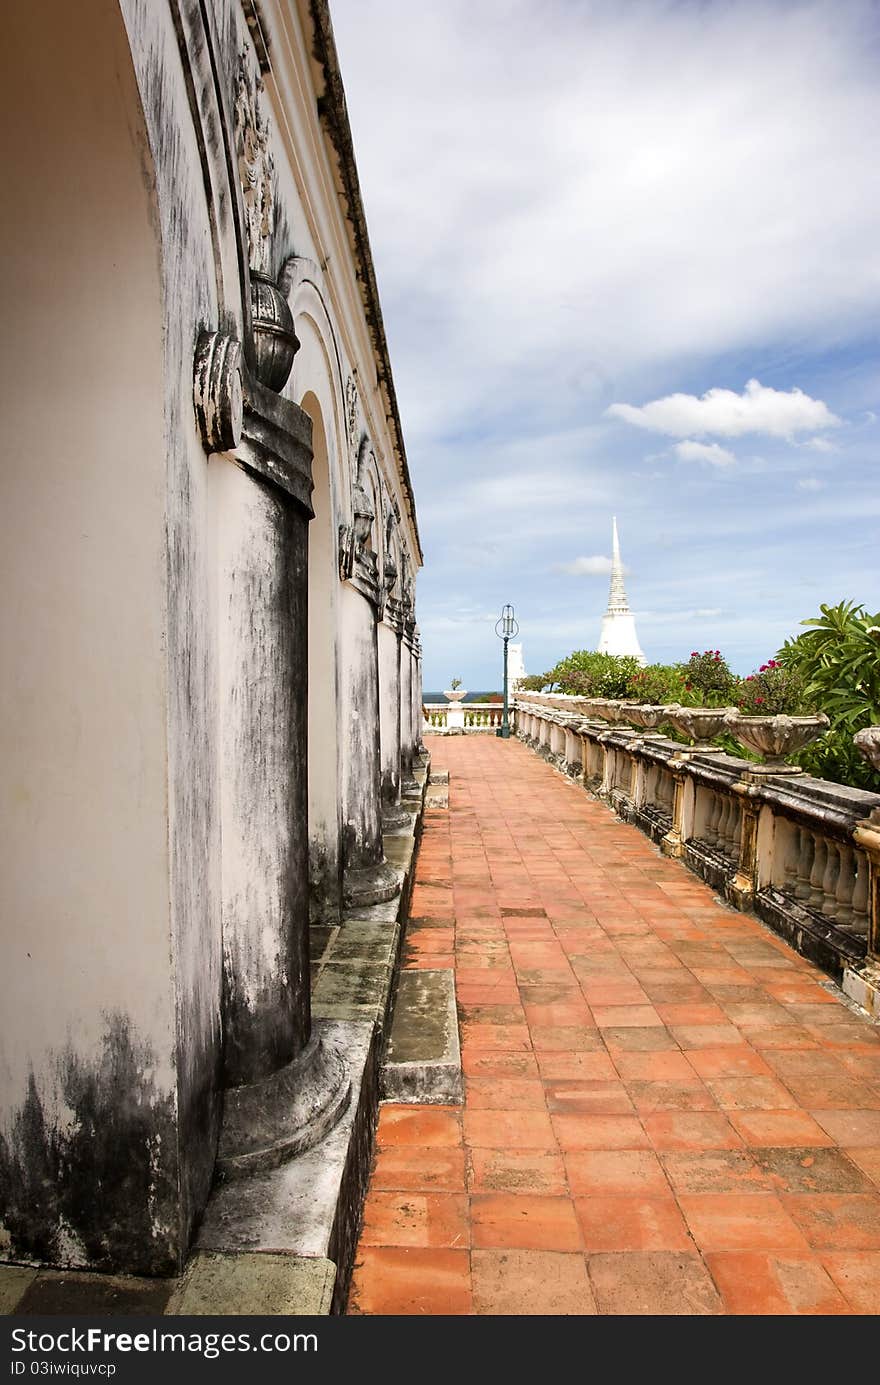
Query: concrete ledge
[
  {"x": 423, "y": 1060},
  {"x": 238, "y": 1285},
  {"x": 862, "y": 984},
  {"x": 15, "y": 1280}
]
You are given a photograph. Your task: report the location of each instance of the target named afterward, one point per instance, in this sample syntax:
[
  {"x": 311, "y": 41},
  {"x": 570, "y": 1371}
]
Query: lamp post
[{"x": 505, "y": 628}]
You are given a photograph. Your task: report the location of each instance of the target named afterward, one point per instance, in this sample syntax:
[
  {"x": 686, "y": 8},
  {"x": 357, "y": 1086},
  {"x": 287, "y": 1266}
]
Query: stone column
[
  {"x": 867, "y": 838},
  {"x": 684, "y": 806},
  {"x": 368, "y": 878},
  {"x": 389, "y": 647},
  {"x": 417, "y": 698},
  {"x": 744, "y": 883},
  {"x": 406, "y": 705},
  {"x": 284, "y": 1088}
]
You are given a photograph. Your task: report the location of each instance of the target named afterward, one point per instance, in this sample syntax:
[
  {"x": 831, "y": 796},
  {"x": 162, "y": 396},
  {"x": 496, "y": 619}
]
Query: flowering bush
[
  {"x": 707, "y": 679},
  {"x": 587, "y": 673},
  {"x": 656, "y": 684},
  {"x": 771, "y": 691}
]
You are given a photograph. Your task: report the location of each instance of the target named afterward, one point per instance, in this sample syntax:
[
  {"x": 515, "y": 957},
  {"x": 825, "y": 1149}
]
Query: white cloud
[
  {"x": 759, "y": 409},
  {"x": 810, "y": 483},
  {"x": 820, "y": 444},
  {"x": 587, "y": 567},
  {"x": 594, "y": 222},
  {"x": 710, "y": 452}
]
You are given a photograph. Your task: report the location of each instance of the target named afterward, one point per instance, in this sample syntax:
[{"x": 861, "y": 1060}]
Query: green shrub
[
  {"x": 586, "y": 673},
  {"x": 657, "y": 683}
]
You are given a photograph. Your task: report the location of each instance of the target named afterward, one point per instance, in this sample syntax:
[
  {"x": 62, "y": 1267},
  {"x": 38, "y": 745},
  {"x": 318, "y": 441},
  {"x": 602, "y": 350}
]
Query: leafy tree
[{"x": 838, "y": 658}]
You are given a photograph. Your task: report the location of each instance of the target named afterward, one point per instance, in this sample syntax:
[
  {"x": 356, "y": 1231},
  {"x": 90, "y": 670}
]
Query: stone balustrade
[
  {"x": 803, "y": 854},
  {"x": 455, "y": 717}
]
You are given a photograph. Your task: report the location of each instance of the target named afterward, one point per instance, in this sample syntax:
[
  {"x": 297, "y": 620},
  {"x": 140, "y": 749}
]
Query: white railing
[{"x": 464, "y": 716}]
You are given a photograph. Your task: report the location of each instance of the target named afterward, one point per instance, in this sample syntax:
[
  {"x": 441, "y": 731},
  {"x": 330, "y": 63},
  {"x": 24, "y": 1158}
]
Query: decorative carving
[
  {"x": 346, "y": 551},
  {"x": 867, "y": 742},
  {"x": 352, "y": 410},
  {"x": 256, "y": 167},
  {"x": 390, "y": 569},
  {"x": 217, "y": 391},
  {"x": 363, "y": 515}
]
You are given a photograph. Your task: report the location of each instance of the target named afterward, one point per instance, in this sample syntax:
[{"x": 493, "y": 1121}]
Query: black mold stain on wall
[{"x": 102, "y": 1192}]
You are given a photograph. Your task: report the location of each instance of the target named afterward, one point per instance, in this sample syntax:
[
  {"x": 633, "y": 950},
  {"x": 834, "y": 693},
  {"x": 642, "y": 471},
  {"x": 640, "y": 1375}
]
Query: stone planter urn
[
  {"x": 600, "y": 708},
  {"x": 455, "y": 714},
  {"x": 774, "y": 738},
  {"x": 700, "y": 724},
  {"x": 614, "y": 711},
  {"x": 630, "y": 714},
  {"x": 649, "y": 717},
  {"x": 867, "y": 742}
]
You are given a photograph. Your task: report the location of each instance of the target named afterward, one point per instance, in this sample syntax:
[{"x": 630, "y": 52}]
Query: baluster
[
  {"x": 845, "y": 884},
  {"x": 723, "y": 821},
  {"x": 817, "y": 874},
  {"x": 733, "y": 828},
  {"x": 860, "y": 895},
  {"x": 790, "y": 857},
  {"x": 712, "y": 818},
  {"x": 830, "y": 880},
  {"x": 806, "y": 857}
]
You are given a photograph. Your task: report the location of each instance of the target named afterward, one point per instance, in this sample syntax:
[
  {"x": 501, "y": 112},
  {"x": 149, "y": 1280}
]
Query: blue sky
[{"x": 579, "y": 206}]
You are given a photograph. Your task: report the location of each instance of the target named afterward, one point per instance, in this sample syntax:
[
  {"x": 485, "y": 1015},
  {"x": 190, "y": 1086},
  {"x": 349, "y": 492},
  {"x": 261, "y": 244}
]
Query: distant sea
[{"x": 471, "y": 697}]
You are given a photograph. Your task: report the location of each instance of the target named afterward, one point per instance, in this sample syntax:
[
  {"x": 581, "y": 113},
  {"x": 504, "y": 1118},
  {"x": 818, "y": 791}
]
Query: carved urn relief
[{"x": 275, "y": 342}]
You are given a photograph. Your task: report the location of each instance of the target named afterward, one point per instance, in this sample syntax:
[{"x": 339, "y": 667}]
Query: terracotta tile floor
[{"x": 666, "y": 1109}]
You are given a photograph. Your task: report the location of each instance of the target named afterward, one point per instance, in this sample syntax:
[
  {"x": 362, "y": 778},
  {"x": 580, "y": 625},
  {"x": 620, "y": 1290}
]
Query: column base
[
  {"x": 395, "y": 817},
  {"x": 370, "y": 885},
  {"x": 268, "y": 1122},
  {"x": 741, "y": 892},
  {"x": 672, "y": 845}
]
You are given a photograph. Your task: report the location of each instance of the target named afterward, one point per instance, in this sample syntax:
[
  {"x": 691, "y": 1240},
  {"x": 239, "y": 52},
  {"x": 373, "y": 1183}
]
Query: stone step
[{"x": 423, "y": 1059}]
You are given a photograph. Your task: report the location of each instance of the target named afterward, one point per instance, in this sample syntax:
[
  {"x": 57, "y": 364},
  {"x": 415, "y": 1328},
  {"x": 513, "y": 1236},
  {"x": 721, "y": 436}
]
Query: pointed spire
[
  {"x": 618, "y": 635},
  {"x": 617, "y": 602}
]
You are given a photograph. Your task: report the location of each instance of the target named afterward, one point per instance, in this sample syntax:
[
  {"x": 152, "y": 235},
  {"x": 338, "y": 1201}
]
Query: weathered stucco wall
[
  {"x": 162, "y": 604},
  {"x": 87, "y": 1068}
]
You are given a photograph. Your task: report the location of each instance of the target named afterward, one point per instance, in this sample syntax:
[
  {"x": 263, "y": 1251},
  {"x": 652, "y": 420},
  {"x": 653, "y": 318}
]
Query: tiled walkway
[{"x": 667, "y": 1110}]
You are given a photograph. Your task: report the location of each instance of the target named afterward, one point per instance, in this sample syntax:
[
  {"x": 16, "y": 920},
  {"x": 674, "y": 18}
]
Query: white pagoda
[{"x": 618, "y": 635}]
